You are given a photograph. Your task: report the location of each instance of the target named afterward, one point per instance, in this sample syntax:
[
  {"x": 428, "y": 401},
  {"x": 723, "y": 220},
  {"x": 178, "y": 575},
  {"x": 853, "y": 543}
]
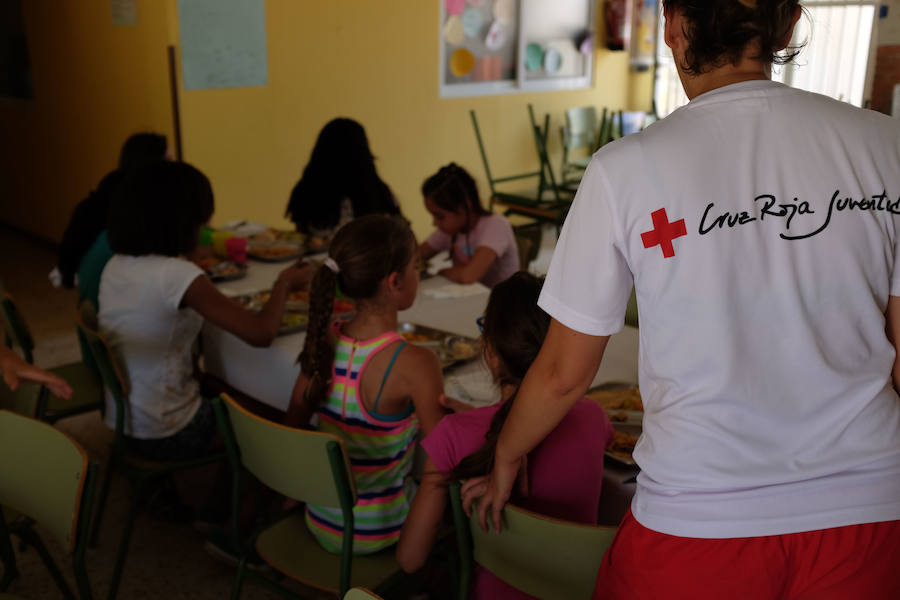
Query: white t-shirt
[
  {"x": 491, "y": 231},
  {"x": 153, "y": 337},
  {"x": 764, "y": 365}
]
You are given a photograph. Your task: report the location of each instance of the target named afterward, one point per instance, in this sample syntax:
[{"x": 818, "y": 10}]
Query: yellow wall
[
  {"x": 378, "y": 64},
  {"x": 374, "y": 61},
  {"x": 95, "y": 84}
]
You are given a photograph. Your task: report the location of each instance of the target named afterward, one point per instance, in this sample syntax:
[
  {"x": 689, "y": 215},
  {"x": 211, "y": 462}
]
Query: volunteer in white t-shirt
[
  {"x": 758, "y": 226},
  {"x": 153, "y": 302}
]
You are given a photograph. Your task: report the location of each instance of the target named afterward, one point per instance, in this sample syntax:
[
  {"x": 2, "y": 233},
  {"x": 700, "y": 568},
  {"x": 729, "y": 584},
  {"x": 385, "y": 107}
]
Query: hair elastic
[{"x": 332, "y": 265}]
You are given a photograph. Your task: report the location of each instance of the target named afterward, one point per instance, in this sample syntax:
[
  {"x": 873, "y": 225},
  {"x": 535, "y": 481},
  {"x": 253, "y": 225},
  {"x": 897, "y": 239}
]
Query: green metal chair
[
  {"x": 631, "y": 311},
  {"x": 47, "y": 477},
  {"x": 307, "y": 466},
  {"x": 541, "y": 556},
  {"x": 143, "y": 475},
  {"x": 543, "y": 202},
  {"x": 579, "y": 135},
  {"x": 85, "y": 382}
]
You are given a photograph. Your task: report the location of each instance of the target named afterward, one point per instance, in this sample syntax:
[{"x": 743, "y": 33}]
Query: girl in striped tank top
[{"x": 364, "y": 382}]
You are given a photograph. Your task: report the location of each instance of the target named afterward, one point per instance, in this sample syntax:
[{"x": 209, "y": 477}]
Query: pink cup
[{"x": 236, "y": 249}]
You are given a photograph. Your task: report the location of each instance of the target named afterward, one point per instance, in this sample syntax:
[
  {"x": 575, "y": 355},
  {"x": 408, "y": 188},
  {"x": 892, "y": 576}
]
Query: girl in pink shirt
[
  {"x": 564, "y": 472},
  {"x": 482, "y": 245}
]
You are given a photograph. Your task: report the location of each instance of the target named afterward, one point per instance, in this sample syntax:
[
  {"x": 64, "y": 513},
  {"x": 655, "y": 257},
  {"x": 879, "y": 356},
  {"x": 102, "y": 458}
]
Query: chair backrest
[
  {"x": 44, "y": 475},
  {"x": 361, "y": 594},
  {"x": 308, "y": 466},
  {"x": 581, "y": 127},
  {"x": 14, "y": 326},
  {"x": 104, "y": 358},
  {"x": 545, "y": 557},
  {"x": 23, "y": 401}
]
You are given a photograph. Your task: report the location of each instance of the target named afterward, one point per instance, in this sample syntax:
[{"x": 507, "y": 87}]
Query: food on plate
[
  {"x": 623, "y": 399},
  {"x": 292, "y": 319},
  {"x": 413, "y": 337},
  {"x": 461, "y": 350},
  {"x": 623, "y": 442},
  {"x": 620, "y": 416},
  {"x": 276, "y": 235},
  {"x": 315, "y": 242},
  {"x": 274, "y": 252}
]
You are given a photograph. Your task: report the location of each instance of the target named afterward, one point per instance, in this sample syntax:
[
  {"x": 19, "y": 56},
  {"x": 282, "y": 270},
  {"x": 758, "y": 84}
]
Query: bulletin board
[{"x": 507, "y": 46}]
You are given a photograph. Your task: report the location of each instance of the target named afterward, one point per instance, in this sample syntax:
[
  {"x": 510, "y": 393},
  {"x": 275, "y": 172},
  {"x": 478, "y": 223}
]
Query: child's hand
[
  {"x": 14, "y": 369},
  {"x": 297, "y": 276},
  {"x": 453, "y": 404}
]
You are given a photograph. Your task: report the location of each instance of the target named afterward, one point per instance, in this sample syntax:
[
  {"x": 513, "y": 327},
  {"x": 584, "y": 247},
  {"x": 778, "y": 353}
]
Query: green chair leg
[
  {"x": 239, "y": 579},
  {"x": 123, "y": 545},
  {"x": 101, "y": 505},
  {"x": 30, "y": 538}
]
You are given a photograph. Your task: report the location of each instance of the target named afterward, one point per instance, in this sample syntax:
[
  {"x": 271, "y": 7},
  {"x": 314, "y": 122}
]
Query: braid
[{"x": 318, "y": 351}]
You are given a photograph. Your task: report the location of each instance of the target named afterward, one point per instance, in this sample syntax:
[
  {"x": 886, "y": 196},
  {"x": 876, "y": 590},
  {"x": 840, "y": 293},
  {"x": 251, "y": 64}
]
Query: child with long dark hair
[
  {"x": 82, "y": 250},
  {"x": 564, "y": 473},
  {"x": 365, "y": 383},
  {"x": 340, "y": 182},
  {"x": 481, "y": 244}
]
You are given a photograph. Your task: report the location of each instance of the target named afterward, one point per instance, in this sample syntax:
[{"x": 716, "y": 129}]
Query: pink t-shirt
[
  {"x": 491, "y": 231},
  {"x": 565, "y": 471}
]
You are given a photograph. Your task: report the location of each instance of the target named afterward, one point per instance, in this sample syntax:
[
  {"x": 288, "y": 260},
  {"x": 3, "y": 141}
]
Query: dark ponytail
[
  {"x": 366, "y": 250},
  {"x": 318, "y": 350},
  {"x": 718, "y": 31},
  {"x": 514, "y": 328}
]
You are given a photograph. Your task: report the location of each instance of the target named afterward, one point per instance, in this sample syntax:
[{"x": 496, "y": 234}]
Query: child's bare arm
[
  {"x": 473, "y": 270},
  {"x": 425, "y": 384},
  {"x": 423, "y": 521},
  {"x": 299, "y": 411}
]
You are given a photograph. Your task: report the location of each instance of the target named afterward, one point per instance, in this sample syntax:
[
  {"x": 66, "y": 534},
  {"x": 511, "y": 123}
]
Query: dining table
[{"x": 268, "y": 374}]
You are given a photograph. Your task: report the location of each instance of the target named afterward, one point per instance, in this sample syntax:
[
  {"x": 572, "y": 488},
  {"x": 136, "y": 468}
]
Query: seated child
[
  {"x": 365, "y": 383},
  {"x": 564, "y": 472},
  {"x": 481, "y": 244},
  {"x": 153, "y": 303}
]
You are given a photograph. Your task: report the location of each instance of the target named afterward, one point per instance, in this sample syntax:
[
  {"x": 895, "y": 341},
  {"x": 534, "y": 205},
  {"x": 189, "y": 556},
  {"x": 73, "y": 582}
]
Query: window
[
  {"x": 834, "y": 61},
  {"x": 506, "y": 46}
]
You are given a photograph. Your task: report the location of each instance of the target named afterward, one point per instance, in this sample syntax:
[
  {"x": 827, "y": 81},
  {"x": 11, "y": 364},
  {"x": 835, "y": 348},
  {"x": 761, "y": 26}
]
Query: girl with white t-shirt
[
  {"x": 153, "y": 302},
  {"x": 482, "y": 245}
]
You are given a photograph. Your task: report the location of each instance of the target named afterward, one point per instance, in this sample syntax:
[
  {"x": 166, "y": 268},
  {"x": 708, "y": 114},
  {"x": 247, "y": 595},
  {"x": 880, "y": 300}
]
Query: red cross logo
[{"x": 663, "y": 233}]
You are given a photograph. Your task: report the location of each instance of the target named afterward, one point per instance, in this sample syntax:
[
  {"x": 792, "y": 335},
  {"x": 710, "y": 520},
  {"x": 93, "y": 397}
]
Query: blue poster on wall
[{"x": 223, "y": 43}]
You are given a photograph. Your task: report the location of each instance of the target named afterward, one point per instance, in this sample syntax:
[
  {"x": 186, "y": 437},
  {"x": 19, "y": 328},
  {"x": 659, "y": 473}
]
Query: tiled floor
[{"x": 165, "y": 560}]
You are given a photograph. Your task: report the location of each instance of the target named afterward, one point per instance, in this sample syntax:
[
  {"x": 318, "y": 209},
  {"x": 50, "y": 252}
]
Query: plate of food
[
  {"x": 275, "y": 253},
  {"x": 450, "y": 348},
  {"x": 621, "y": 401},
  {"x": 272, "y": 236},
  {"x": 624, "y": 439},
  {"x": 219, "y": 269},
  {"x": 296, "y": 314}
]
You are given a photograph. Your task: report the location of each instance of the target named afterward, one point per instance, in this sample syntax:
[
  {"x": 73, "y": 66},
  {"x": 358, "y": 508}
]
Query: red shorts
[{"x": 857, "y": 561}]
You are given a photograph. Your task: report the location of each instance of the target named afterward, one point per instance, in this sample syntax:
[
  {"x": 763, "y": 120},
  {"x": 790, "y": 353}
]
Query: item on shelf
[
  {"x": 534, "y": 57},
  {"x": 472, "y": 22},
  {"x": 461, "y": 62},
  {"x": 453, "y": 31},
  {"x": 496, "y": 37}
]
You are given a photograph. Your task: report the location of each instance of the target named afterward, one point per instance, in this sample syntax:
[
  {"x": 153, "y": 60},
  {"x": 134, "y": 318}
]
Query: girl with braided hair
[
  {"x": 363, "y": 381},
  {"x": 481, "y": 244},
  {"x": 759, "y": 226}
]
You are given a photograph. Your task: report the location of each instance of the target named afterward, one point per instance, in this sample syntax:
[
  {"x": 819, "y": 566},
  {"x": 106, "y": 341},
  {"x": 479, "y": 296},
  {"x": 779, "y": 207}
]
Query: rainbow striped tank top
[{"x": 381, "y": 454}]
